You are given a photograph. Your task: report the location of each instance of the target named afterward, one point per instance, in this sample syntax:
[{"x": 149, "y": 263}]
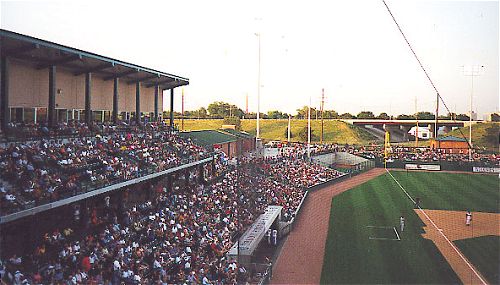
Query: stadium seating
[
  {"x": 34, "y": 172},
  {"x": 180, "y": 236}
]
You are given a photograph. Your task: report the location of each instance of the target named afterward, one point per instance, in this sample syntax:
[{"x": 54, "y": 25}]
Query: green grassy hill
[
  {"x": 275, "y": 129},
  {"x": 484, "y": 135}
]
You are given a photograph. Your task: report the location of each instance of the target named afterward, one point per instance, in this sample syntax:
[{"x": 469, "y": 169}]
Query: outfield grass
[
  {"x": 275, "y": 129},
  {"x": 450, "y": 191},
  {"x": 350, "y": 255},
  {"x": 484, "y": 253}
]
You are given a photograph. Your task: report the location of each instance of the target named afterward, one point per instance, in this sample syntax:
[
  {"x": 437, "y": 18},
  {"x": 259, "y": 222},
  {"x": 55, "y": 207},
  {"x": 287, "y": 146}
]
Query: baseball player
[
  {"x": 417, "y": 202},
  {"x": 275, "y": 237},
  {"x": 468, "y": 218},
  {"x": 402, "y": 223}
]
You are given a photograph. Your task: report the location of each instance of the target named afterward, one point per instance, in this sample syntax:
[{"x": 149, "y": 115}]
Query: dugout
[
  {"x": 42, "y": 81},
  {"x": 246, "y": 246}
]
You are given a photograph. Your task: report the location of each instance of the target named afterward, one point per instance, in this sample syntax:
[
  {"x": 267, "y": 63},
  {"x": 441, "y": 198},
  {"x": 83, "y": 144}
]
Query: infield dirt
[{"x": 452, "y": 225}]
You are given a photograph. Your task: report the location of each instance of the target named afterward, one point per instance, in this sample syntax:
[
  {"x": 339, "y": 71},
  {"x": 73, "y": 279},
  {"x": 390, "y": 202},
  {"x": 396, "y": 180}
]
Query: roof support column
[
  {"x": 172, "y": 108},
  {"x": 88, "y": 95},
  {"x": 115, "y": 100},
  {"x": 4, "y": 90},
  {"x": 52, "y": 96},
  {"x": 157, "y": 90},
  {"x": 138, "y": 102}
]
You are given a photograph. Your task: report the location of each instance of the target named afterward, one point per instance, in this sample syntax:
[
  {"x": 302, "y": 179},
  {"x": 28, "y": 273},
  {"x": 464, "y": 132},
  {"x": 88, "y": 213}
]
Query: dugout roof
[
  {"x": 450, "y": 139},
  {"x": 44, "y": 54},
  {"x": 209, "y": 137}
]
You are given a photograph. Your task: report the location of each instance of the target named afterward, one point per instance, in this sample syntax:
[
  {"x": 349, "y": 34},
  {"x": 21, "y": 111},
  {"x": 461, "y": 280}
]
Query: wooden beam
[
  {"x": 125, "y": 73},
  {"x": 60, "y": 61}
]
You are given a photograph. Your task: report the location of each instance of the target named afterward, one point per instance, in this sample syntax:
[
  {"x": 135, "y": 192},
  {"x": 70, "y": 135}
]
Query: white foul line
[
  {"x": 396, "y": 233},
  {"x": 440, "y": 231}
]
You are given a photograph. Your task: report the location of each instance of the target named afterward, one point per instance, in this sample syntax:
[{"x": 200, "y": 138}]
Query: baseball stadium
[{"x": 102, "y": 181}]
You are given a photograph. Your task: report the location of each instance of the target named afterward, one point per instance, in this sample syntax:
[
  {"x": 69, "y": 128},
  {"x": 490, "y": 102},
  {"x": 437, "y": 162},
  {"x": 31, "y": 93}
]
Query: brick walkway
[{"x": 301, "y": 258}]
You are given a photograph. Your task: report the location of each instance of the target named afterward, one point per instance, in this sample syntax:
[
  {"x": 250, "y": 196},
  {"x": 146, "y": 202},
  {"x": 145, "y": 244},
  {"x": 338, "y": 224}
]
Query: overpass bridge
[{"x": 399, "y": 128}]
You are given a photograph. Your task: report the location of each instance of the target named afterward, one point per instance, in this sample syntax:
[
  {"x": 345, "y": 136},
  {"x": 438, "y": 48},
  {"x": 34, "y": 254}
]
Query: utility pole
[
  {"x": 258, "y": 93},
  {"x": 437, "y": 115},
  {"x": 246, "y": 105},
  {"x": 182, "y": 117},
  {"x": 473, "y": 72},
  {"x": 309, "y": 130},
  {"x": 289, "y": 131},
  {"x": 416, "y": 117},
  {"x": 322, "y": 109}
]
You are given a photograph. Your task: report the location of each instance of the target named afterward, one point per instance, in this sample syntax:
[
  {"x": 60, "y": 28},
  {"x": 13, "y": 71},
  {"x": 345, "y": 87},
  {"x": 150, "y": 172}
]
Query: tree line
[{"x": 221, "y": 110}]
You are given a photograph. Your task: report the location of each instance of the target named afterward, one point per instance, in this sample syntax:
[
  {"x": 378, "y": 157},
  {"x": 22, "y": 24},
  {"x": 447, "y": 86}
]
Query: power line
[{"x": 427, "y": 75}]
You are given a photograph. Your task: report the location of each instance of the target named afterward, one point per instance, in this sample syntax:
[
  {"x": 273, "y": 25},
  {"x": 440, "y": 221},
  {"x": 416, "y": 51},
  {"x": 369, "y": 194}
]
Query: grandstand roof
[
  {"x": 44, "y": 54},
  {"x": 209, "y": 137},
  {"x": 240, "y": 134},
  {"x": 451, "y": 139}
]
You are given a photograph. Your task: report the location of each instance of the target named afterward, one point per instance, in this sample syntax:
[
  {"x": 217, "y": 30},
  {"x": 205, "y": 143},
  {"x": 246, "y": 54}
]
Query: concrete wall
[
  {"x": 343, "y": 158},
  {"x": 30, "y": 88}
]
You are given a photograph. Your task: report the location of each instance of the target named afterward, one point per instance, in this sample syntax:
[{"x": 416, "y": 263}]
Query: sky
[{"x": 351, "y": 49}]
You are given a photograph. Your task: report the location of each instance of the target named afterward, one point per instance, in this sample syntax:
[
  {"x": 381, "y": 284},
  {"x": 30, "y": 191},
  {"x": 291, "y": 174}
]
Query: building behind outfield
[
  {"x": 450, "y": 144},
  {"x": 42, "y": 81}
]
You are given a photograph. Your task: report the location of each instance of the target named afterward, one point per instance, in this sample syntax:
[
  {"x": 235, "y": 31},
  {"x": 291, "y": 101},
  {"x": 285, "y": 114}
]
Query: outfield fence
[{"x": 467, "y": 166}]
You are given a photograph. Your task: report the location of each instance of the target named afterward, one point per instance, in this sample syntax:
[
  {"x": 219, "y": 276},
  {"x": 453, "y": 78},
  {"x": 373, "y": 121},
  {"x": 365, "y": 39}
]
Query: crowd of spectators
[
  {"x": 404, "y": 153},
  {"x": 427, "y": 154},
  {"x": 180, "y": 236},
  {"x": 73, "y": 128},
  {"x": 39, "y": 171}
]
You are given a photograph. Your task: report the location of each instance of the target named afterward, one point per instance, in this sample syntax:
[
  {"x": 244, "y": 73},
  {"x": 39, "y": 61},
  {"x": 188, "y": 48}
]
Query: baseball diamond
[
  {"x": 367, "y": 150},
  {"x": 433, "y": 246}
]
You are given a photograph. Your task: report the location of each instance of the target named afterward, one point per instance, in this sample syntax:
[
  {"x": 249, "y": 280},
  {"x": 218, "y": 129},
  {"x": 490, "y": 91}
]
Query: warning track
[{"x": 301, "y": 259}]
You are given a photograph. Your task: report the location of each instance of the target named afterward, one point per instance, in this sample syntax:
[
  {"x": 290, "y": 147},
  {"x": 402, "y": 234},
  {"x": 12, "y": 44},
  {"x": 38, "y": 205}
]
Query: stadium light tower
[
  {"x": 258, "y": 93},
  {"x": 472, "y": 71}
]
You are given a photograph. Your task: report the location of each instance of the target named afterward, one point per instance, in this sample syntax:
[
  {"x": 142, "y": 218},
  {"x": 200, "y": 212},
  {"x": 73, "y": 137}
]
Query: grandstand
[
  {"x": 46, "y": 82},
  {"x": 78, "y": 129},
  {"x": 81, "y": 101},
  {"x": 96, "y": 187}
]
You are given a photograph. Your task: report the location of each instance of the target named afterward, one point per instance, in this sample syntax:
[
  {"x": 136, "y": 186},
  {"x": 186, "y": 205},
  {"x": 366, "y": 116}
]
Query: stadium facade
[{"x": 42, "y": 81}]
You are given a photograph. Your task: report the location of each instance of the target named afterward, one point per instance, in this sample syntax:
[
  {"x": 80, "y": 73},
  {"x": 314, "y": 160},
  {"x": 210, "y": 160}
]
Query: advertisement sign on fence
[
  {"x": 429, "y": 167},
  {"x": 486, "y": 169}
]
